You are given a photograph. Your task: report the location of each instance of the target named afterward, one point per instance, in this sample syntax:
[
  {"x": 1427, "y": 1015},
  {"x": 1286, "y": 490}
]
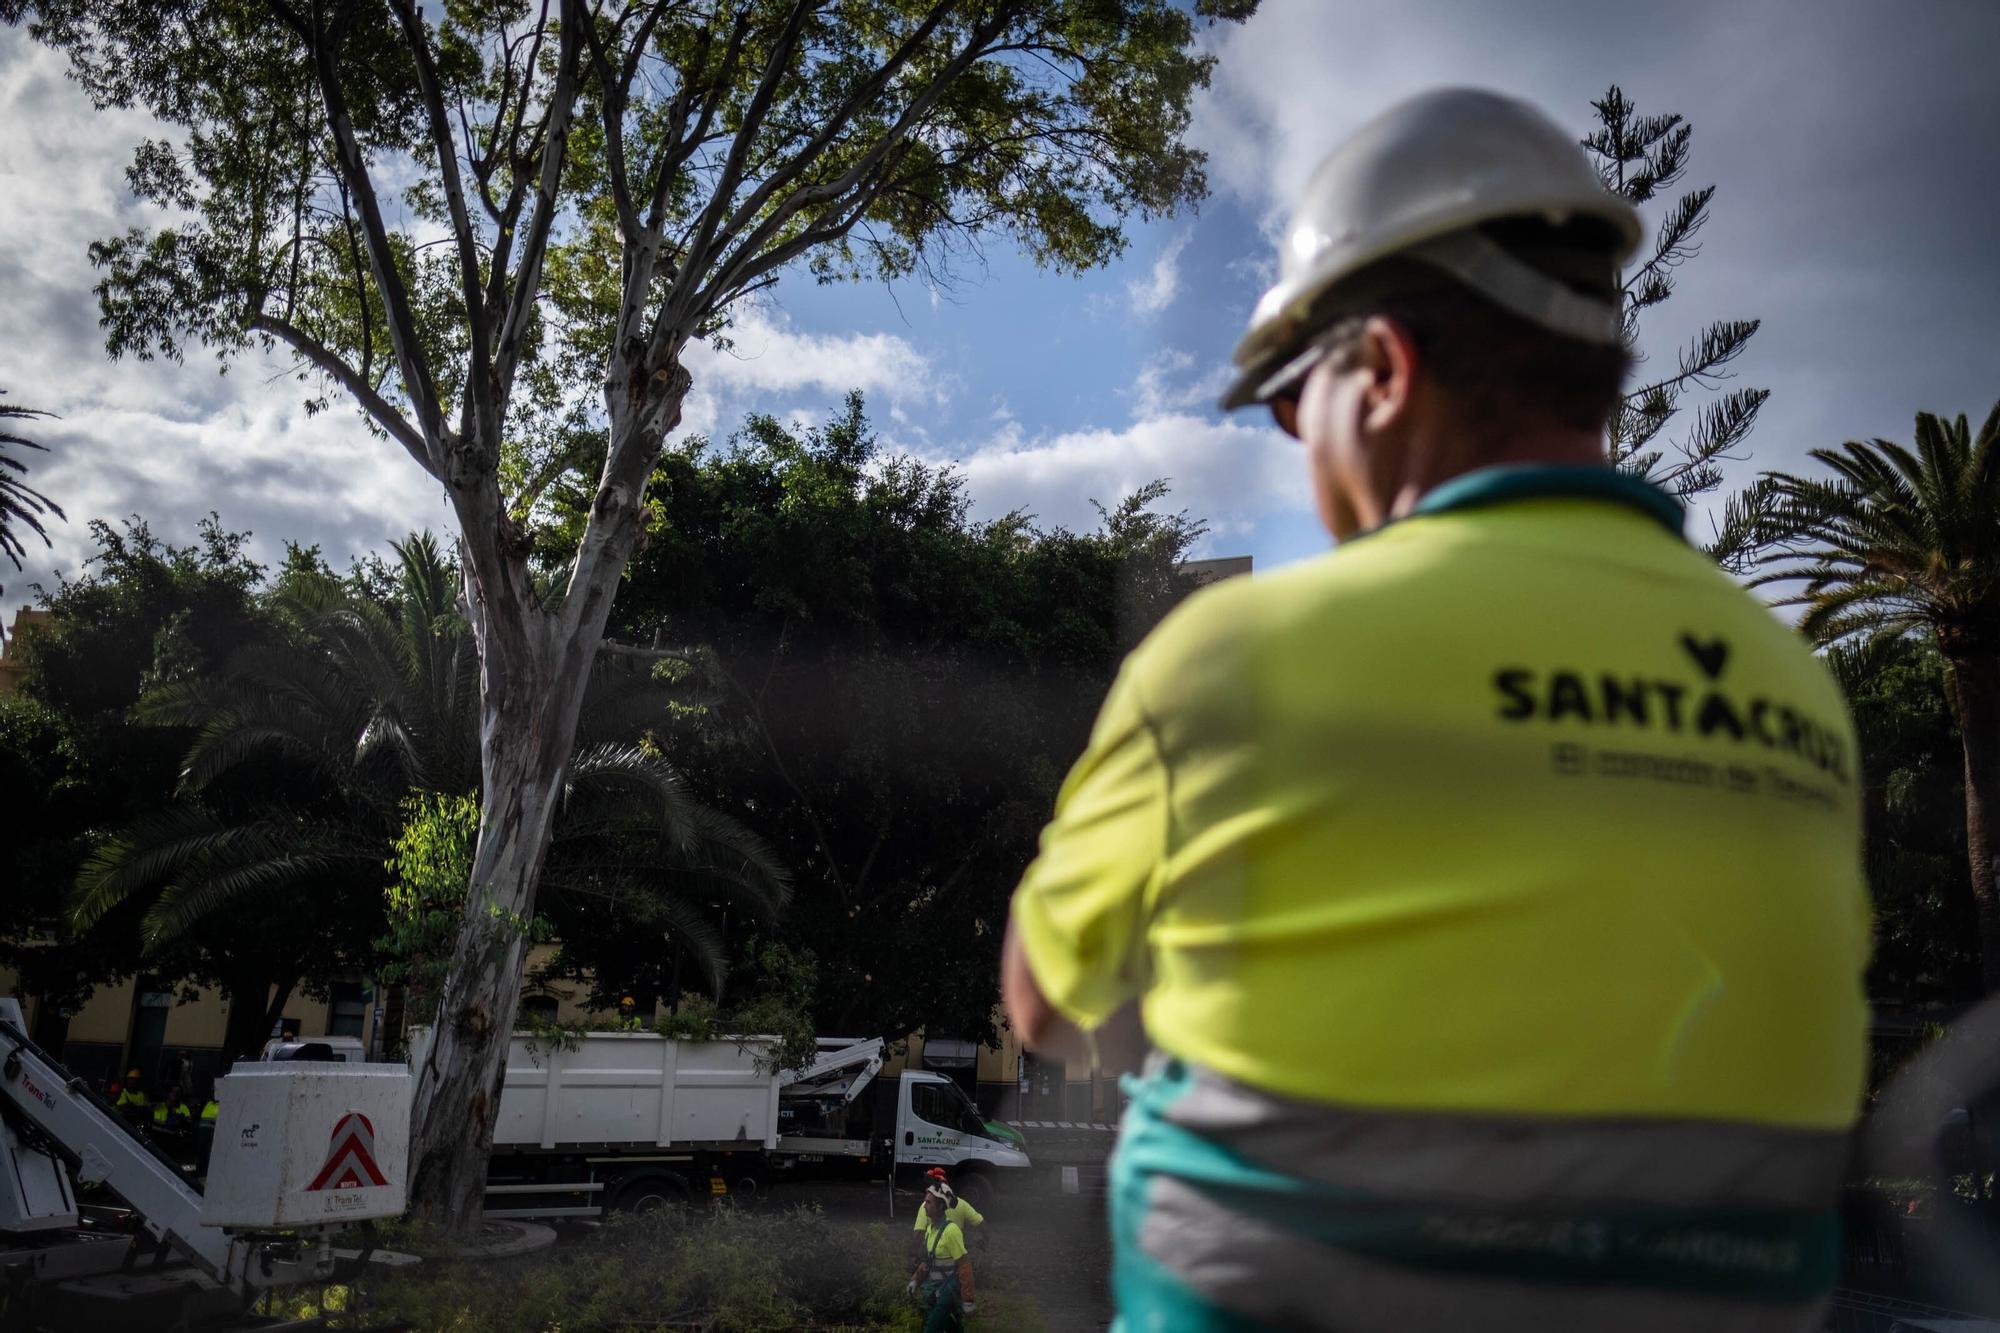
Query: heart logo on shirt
[{"x": 1709, "y": 656}]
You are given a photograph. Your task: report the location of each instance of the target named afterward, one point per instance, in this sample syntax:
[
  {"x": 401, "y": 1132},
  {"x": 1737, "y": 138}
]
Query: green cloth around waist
[{"x": 1775, "y": 1255}]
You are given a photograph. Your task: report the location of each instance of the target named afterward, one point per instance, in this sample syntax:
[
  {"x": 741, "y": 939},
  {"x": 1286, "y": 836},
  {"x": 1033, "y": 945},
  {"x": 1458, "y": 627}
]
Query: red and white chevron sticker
[{"x": 350, "y": 1158}]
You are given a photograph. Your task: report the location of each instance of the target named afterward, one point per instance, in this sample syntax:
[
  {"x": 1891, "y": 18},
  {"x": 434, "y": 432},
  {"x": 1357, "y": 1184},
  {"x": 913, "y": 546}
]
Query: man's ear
[{"x": 1390, "y": 356}]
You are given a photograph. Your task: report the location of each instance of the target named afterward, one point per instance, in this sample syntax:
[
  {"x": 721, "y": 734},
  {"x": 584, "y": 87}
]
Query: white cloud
[
  {"x": 1153, "y": 293},
  {"x": 770, "y": 354},
  {"x": 1226, "y": 472},
  {"x": 169, "y": 442},
  {"x": 771, "y": 358},
  {"x": 1162, "y": 386}
]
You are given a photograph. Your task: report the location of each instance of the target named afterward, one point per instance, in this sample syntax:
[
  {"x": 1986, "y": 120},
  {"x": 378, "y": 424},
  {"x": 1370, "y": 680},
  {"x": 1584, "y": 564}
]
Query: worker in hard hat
[
  {"x": 1497, "y": 930},
  {"x": 939, "y": 1273},
  {"x": 131, "y": 1098},
  {"x": 956, "y": 1209}
]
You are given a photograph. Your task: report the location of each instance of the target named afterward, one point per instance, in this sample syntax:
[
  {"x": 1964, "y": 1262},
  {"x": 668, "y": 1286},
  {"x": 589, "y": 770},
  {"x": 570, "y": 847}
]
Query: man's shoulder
[{"x": 1222, "y": 626}]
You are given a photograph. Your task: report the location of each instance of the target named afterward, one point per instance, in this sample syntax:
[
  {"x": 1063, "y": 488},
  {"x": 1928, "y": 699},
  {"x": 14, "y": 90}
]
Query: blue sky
[{"x": 1855, "y": 147}]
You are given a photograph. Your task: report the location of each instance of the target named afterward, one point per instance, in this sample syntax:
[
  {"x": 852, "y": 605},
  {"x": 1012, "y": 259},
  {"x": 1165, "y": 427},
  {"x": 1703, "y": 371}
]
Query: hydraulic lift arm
[{"x": 63, "y": 1112}]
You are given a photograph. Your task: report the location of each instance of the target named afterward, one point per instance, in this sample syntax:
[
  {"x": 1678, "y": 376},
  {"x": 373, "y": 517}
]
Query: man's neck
[{"x": 1433, "y": 462}]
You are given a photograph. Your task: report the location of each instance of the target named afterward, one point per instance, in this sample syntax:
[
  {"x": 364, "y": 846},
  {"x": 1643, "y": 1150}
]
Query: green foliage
[
  {"x": 147, "y": 614},
  {"x": 95, "y": 655},
  {"x": 21, "y": 505},
  {"x": 779, "y": 1003},
  {"x": 49, "y": 789},
  {"x": 1639, "y": 157},
  {"x": 892, "y": 689},
  {"x": 362, "y": 703},
  {"x": 1897, "y": 539},
  {"x": 725, "y": 1269},
  {"x": 1899, "y": 690},
  {"x": 1901, "y": 541},
  {"x": 429, "y": 867}
]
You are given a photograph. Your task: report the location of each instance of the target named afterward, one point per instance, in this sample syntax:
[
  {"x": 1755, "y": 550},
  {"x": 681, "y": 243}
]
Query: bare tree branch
[
  {"x": 612, "y": 98},
  {"x": 381, "y": 409},
  {"x": 555, "y": 147},
  {"x": 418, "y": 381},
  {"x": 480, "y": 404},
  {"x": 864, "y": 93},
  {"x": 743, "y": 262},
  {"x": 695, "y": 260}
]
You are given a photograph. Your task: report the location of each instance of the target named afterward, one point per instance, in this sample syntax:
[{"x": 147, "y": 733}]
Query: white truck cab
[
  {"x": 937, "y": 1125},
  {"x": 337, "y": 1050},
  {"x": 837, "y": 1112}
]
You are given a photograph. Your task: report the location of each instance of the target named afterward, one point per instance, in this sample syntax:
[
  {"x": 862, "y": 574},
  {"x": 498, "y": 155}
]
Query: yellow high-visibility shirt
[
  {"x": 1518, "y": 804},
  {"x": 961, "y": 1212},
  {"x": 944, "y": 1244}
]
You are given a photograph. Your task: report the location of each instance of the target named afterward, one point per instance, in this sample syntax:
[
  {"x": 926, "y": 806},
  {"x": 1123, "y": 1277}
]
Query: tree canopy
[
  {"x": 1926, "y": 937},
  {"x": 1892, "y": 538},
  {"x": 146, "y": 615},
  {"x": 890, "y": 689}
]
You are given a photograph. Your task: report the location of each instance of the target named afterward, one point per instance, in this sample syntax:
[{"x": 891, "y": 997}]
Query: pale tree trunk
[
  {"x": 534, "y": 667},
  {"x": 1976, "y": 683}
]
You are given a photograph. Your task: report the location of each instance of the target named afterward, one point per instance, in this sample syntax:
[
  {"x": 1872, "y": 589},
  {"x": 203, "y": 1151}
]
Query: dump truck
[{"x": 632, "y": 1121}]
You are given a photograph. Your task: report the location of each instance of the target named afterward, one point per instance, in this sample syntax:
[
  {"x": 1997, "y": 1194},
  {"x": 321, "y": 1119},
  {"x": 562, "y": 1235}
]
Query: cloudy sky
[{"x": 1855, "y": 145}]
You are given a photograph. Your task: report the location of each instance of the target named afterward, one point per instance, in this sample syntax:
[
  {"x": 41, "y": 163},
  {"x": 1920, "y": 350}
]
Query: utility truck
[
  {"x": 301, "y": 1149},
  {"x": 634, "y": 1120}
]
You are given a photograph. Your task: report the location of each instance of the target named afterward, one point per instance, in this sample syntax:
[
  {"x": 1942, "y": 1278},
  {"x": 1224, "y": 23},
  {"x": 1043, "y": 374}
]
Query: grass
[{"x": 722, "y": 1271}]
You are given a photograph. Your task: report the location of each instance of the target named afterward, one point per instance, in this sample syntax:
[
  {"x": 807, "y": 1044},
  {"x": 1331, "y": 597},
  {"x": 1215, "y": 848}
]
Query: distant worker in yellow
[
  {"x": 1489, "y": 887},
  {"x": 937, "y": 1282},
  {"x": 131, "y": 1097},
  {"x": 172, "y": 1115},
  {"x": 956, "y": 1209}
]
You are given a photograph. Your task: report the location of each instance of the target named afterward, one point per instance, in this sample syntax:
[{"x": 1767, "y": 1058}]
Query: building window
[
  {"x": 538, "y": 1008},
  {"x": 348, "y": 1014}
]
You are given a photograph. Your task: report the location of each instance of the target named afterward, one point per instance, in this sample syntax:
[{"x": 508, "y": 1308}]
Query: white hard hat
[{"x": 1414, "y": 183}]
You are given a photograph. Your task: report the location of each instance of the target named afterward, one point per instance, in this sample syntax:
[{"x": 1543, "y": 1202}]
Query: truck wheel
[
  {"x": 650, "y": 1194},
  {"x": 976, "y": 1188},
  {"x": 746, "y": 1182}
]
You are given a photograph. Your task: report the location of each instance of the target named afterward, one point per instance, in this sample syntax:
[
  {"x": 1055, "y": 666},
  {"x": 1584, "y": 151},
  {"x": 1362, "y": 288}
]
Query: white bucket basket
[{"x": 303, "y": 1145}]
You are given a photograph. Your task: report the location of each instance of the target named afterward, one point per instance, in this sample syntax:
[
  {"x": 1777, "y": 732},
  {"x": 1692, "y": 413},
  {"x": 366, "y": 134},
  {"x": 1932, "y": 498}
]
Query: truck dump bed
[{"x": 634, "y": 1089}]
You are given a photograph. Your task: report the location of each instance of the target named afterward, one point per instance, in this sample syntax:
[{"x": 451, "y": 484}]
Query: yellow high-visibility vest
[{"x": 1517, "y": 805}]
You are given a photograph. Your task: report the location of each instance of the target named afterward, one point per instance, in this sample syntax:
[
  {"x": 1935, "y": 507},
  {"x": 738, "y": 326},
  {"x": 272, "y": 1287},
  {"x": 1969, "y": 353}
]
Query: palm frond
[{"x": 195, "y": 861}]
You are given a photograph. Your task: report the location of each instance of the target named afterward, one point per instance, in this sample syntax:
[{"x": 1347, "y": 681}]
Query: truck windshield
[{"x": 970, "y": 1121}]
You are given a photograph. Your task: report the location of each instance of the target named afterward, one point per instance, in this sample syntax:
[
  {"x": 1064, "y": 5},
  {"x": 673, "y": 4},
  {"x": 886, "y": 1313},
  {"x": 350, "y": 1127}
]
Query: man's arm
[
  {"x": 1121, "y": 1040},
  {"x": 1042, "y": 1028}
]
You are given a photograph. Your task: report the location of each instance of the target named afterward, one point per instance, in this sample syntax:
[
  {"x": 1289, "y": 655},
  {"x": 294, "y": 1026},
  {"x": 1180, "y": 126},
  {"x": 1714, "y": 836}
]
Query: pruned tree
[
  {"x": 1641, "y": 157},
  {"x": 497, "y": 225},
  {"x": 21, "y": 505}
]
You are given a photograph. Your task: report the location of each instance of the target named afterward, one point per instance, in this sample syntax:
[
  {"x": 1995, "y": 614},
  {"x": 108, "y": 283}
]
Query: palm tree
[
  {"x": 374, "y": 701},
  {"x": 1903, "y": 541},
  {"x": 21, "y": 505}
]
